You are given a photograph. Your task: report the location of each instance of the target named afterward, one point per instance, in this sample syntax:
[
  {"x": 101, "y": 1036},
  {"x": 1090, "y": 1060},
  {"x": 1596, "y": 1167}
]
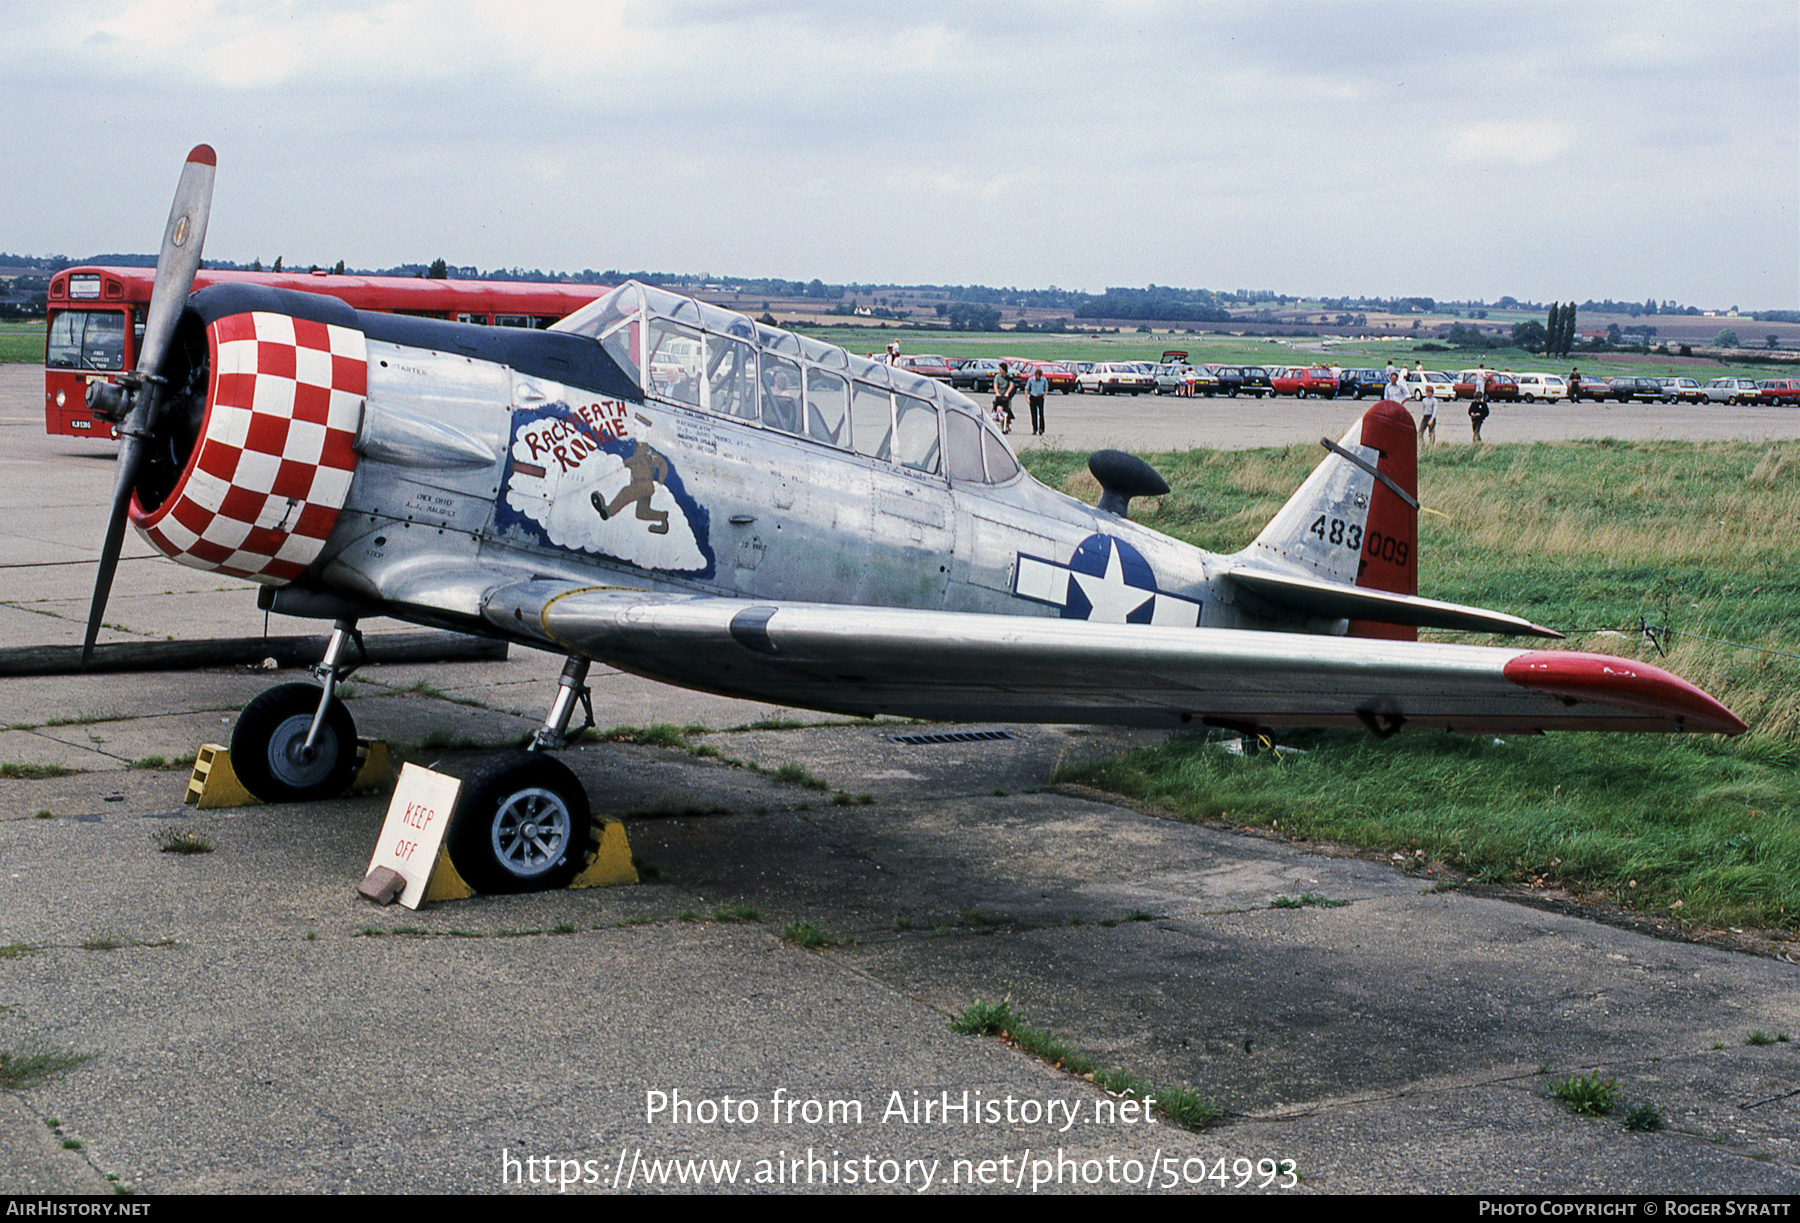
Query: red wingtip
[
  {"x": 203, "y": 153},
  {"x": 1623, "y": 682}
]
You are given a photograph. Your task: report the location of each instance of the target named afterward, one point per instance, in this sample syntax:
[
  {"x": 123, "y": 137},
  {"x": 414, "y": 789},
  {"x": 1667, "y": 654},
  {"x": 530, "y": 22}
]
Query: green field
[
  {"x": 21, "y": 342},
  {"x": 1591, "y": 538}
]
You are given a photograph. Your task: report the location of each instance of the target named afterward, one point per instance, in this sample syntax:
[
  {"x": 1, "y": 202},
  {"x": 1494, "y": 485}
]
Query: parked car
[
  {"x": 928, "y": 364},
  {"x": 1784, "y": 391},
  {"x": 1110, "y": 377},
  {"x": 1206, "y": 380},
  {"x": 1639, "y": 390},
  {"x": 1542, "y": 388},
  {"x": 1499, "y": 385},
  {"x": 1237, "y": 380},
  {"x": 1683, "y": 390},
  {"x": 1589, "y": 386},
  {"x": 1286, "y": 379},
  {"x": 1731, "y": 390},
  {"x": 1359, "y": 382},
  {"x": 1057, "y": 373},
  {"x": 1421, "y": 383},
  {"x": 976, "y": 375},
  {"x": 1308, "y": 380},
  {"x": 1173, "y": 379},
  {"x": 1061, "y": 375}
]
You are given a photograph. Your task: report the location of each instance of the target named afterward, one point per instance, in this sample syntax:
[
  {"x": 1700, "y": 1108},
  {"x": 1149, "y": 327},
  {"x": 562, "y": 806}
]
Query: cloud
[{"x": 1522, "y": 143}]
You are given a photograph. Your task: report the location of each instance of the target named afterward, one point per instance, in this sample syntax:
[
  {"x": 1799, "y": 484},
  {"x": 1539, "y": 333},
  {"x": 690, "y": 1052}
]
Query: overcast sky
[{"x": 1456, "y": 150}]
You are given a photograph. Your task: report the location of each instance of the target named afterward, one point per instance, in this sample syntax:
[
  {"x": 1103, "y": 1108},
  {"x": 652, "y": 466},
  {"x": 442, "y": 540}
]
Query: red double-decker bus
[{"x": 96, "y": 319}]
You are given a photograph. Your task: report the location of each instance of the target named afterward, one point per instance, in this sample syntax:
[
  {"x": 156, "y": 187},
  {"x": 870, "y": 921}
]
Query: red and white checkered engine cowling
[{"x": 264, "y": 485}]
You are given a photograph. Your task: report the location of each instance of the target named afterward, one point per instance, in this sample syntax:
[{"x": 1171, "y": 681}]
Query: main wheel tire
[
  {"x": 521, "y": 825},
  {"x": 267, "y": 743}
]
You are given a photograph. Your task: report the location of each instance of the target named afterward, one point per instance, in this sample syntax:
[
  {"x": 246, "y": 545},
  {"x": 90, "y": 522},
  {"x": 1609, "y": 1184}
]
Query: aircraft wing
[{"x": 968, "y": 667}]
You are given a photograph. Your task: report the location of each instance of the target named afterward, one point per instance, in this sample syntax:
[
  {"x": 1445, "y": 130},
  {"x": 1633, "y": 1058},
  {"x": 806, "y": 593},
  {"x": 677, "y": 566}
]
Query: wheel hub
[
  {"x": 532, "y": 831},
  {"x": 289, "y": 759}
]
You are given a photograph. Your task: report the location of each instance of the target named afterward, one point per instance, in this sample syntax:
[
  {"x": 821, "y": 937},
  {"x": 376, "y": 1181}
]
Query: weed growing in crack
[
  {"x": 182, "y": 841},
  {"x": 807, "y": 934},
  {"x": 1587, "y": 1095}
]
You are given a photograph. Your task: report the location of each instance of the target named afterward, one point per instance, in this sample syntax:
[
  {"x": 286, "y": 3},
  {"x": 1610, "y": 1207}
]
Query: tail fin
[{"x": 1355, "y": 520}]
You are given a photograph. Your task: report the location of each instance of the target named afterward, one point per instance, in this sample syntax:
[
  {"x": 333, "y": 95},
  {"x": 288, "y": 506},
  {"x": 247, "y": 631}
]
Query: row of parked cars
[{"x": 1177, "y": 377}]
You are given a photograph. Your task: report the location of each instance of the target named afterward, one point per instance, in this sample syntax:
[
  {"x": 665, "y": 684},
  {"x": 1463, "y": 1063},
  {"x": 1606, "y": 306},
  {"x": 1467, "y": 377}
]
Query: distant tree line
[
  {"x": 1177, "y": 305},
  {"x": 1151, "y": 303}
]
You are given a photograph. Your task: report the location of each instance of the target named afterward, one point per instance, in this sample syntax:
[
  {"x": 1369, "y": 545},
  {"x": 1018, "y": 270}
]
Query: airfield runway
[{"x": 250, "y": 1025}]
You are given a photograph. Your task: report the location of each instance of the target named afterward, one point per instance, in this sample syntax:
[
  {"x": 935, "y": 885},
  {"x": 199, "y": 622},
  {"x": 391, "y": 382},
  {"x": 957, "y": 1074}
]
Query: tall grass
[
  {"x": 1593, "y": 538},
  {"x": 1695, "y": 540}
]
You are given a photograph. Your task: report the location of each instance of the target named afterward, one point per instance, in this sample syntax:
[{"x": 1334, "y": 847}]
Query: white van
[{"x": 1542, "y": 388}]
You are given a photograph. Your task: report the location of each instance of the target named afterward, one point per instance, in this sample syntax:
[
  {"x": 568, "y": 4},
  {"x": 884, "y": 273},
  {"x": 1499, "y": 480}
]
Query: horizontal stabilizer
[{"x": 1330, "y": 601}]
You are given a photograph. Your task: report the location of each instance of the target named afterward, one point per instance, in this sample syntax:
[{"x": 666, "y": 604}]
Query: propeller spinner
[{"x": 136, "y": 401}]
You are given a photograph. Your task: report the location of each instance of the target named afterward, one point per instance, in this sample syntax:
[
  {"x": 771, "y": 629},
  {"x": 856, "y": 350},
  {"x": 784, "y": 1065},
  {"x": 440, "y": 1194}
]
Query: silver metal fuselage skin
[{"x": 427, "y": 532}]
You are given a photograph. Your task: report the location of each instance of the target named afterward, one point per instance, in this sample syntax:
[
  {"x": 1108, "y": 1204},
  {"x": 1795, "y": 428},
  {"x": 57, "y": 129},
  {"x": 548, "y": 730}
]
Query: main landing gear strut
[
  {"x": 295, "y": 742},
  {"x": 522, "y": 821}
]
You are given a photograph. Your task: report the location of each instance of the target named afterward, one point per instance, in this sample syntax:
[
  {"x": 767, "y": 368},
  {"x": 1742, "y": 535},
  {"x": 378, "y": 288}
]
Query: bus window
[{"x": 82, "y": 339}]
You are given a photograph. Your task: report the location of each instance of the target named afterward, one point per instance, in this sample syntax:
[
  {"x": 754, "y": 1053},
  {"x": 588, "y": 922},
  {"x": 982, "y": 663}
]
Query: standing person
[
  {"x": 1428, "y": 417},
  {"x": 1393, "y": 390},
  {"x": 1036, "y": 387},
  {"x": 1574, "y": 386},
  {"x": 1478, "y": 406},
  {"x": 1004, "y": 389}
]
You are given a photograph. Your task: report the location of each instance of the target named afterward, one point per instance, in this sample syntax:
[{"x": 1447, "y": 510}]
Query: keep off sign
[{"x": 414, "y": 831}]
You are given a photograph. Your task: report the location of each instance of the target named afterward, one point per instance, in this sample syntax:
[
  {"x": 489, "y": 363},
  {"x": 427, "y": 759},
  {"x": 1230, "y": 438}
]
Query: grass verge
[{"x": 1692, "y": 830}]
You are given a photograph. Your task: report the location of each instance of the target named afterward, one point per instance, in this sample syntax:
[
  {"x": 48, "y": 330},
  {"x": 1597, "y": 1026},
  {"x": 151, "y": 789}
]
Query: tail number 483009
[{"x": 1350, "y": 535}]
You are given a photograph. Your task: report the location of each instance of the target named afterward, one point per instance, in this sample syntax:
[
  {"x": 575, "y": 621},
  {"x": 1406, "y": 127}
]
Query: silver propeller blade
[
  {"x": 176, "y": 266},
  {"x": 179, "y": 258}
]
